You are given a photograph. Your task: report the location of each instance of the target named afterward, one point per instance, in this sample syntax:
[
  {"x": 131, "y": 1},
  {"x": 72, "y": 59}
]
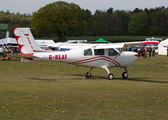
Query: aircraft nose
[
  {"x": 137, "y": 55},
  {"x": 131, "y": 57}
]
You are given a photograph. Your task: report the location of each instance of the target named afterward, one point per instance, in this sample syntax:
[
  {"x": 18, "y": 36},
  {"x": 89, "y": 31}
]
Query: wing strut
[
  {"x": 136, "y": 43},
  {"x": 125, "y": 45}
]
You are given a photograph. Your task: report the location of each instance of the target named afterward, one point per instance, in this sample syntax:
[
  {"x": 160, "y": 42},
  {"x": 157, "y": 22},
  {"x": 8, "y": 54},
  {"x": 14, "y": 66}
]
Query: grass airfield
[{"x": 50, "y": 90}]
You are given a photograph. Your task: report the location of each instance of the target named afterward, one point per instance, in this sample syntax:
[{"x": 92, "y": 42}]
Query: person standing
[
  {"x": 167, "y": 51},
  {"x": 150, "y": 50},
  {"x": 144, "y": 52},
  {"x": 136, "y": 50},
  {"x": 153, "y": 52},
  {"x": 4, "y": 51}
]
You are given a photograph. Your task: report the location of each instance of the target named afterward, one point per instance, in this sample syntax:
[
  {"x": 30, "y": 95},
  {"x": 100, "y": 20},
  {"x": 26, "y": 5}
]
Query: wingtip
[{"x": 150, "y": 42}]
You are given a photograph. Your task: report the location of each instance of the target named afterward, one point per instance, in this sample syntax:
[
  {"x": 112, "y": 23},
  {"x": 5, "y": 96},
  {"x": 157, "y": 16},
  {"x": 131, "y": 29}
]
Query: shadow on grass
[
  {"x": 128, "y": 79},
  {"x": 43, "y": 79},
  {"x": 56, "y": 79},
  {"x": 82, "y": 77},
  {"x": 143, "y": 80}
]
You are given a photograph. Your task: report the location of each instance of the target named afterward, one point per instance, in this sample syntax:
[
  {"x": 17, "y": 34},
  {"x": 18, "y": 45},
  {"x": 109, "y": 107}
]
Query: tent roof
[
  {"x": 165, "y": 41},
  {"x": 102, "y": 40}
]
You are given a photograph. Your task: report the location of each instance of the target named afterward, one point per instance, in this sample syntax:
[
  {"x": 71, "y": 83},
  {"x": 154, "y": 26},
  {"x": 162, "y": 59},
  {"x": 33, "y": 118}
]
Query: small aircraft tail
[{"x": 25, "y": 41}]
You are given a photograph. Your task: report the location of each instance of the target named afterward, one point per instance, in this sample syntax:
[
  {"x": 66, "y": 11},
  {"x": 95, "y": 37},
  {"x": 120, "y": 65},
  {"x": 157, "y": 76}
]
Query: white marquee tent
[{"x": 162, "y": 47}]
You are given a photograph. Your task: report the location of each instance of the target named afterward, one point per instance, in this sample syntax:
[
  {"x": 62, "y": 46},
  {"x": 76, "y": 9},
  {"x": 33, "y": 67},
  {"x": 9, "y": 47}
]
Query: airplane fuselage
[{"x": 78, "y": 57}]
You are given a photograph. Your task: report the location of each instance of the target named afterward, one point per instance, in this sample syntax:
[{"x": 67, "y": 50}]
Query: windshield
[{"x": 119, "y": 49}]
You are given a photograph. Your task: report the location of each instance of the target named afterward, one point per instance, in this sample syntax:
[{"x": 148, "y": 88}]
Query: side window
[
  {"x": 99, "y": 51},
  {"x": 112, "y": 52},
  {"x": 88, "y": 52}
]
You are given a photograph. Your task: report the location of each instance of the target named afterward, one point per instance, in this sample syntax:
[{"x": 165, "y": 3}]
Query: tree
[
  {"x": 59, "y": 18},
  {"x": 13, "y": 17},
  {"x": 23, "y": 18},
  {"x": 136, "y": 10},
  {"x": 159, "y": 23},
  {"x": 3, "y": 18},
  {"x": 100, "y": 24},
  {"x": 119, "y": 22},
  {"x": 24, "y": 23},
  {"x": 110, "y": 11},
  {"x": 11, "y": 24},
  {"x": 87, "y": 16},
  {"x": 97, "y": 12},
  {"x": 138, "y": 24},
  {"x": 146, "y": 10}
]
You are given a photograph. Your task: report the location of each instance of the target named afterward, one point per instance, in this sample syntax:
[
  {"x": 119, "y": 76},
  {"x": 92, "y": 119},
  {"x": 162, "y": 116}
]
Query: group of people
[
  {"x": 134, "y": 49},
  {"x": 6, "y": 50},
  {"x": 143, "y": 51},
  {"x": 151, "y": 51}
]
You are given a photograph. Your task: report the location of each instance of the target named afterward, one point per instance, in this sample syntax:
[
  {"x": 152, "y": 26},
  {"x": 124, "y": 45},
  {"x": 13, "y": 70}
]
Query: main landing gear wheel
[
  {"x": 125, "y": 75},
  {"x": 110, "y": 76},
  {"x": 88, "y": 75}
]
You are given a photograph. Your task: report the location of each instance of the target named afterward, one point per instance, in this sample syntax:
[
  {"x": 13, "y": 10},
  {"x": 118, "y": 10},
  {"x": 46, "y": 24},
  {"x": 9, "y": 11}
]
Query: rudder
[{"x": 25, "y": 41}]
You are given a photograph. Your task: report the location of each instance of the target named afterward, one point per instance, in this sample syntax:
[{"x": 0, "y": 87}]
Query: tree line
[
  {"x": 15, "y": 20},
  {"x": 147, "y": 22},
  {"x": 63, "y": 19}
]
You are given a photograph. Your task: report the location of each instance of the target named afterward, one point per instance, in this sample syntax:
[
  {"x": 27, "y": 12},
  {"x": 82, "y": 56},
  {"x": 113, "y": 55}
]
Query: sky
[{"x": 30, "y": 6}]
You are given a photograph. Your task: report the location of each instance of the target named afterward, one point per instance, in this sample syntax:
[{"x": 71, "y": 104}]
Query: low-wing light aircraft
[{"x": 90, "y": 55}]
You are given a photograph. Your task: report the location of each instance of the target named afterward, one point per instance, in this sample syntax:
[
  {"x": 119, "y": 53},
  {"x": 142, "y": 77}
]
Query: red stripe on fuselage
[
  {"x": 42, "y": 51},
  {"x": 96, "y": 59}
]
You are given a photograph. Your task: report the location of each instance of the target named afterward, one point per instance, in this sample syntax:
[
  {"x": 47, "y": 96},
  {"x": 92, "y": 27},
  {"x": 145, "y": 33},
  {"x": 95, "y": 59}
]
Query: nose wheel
[
  {"x": 125, "y": 74},
  {"x": 88, "y": 74}
]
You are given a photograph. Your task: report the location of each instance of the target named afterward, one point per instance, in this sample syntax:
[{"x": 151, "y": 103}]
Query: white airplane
[{"x": 90, "y": 55}]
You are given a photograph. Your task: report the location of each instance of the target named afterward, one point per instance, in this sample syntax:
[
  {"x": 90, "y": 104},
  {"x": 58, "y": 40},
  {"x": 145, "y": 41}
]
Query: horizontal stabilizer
[
  {"x": 26, "y": 59},
  {"x": 21, "y": 56}
]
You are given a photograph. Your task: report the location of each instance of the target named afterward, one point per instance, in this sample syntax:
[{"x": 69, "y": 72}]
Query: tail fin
[{"x": 25, "y": 41}]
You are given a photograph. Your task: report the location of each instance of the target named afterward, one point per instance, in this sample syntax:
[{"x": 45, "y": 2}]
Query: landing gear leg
[
  {"x": 88, "y": 74},
  {"x": 110, "y": 76},
  {"x": 125, "y": 74}
]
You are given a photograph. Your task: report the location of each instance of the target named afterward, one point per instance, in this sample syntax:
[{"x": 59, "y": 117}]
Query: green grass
[
  {"x": 2, "y": 35},
  {"x": 49, "y": 90},
  {"x": 3, "y": 27}
]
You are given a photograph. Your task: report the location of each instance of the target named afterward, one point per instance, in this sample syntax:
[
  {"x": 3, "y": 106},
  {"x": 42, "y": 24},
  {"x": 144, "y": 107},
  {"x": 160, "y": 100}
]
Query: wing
[{"x": 123, "y": 46}]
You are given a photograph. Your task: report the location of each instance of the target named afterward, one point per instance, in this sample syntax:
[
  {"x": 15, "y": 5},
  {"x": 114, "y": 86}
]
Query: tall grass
[
  {"x": 2, "y": 35},
  {"x": 3, "y": 27}
]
